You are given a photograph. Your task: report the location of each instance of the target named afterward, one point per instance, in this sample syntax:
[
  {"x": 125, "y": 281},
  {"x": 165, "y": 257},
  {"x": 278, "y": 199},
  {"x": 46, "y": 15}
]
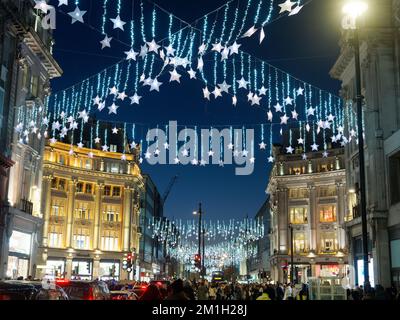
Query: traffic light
[
  {"x": 127, "y": 264},
  {"x": 197, "y": 261}
]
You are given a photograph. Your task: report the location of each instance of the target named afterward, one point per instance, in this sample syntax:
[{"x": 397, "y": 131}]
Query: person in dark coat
[
  {"x": 152, "y": 293},
  {"x": 177, "y": 291}
]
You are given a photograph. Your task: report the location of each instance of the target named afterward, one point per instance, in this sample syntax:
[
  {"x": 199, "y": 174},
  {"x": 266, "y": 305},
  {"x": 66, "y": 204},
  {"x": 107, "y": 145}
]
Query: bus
[{"x": 217, "y": 276}]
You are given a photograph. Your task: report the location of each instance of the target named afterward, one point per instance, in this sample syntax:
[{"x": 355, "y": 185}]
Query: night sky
[{"x": 305, "y": 46}]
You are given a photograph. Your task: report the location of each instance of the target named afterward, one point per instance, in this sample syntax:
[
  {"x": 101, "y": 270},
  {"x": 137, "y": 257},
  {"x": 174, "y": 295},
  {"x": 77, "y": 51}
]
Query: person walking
[
  {"x": 265, "y": 295},
  {"x": 212, "y": 293},
  {"x": 177, "y": 291},
  {"x": 202, "y": 291}
]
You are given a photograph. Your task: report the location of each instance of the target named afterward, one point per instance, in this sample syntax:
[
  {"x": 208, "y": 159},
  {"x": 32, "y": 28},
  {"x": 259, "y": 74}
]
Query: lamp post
[
  {"x": 199, "y": 213},
  {"x": 355, "y": 9},
  {"x": 204, "y": 254},
  {"x": 291, "y": 254}
]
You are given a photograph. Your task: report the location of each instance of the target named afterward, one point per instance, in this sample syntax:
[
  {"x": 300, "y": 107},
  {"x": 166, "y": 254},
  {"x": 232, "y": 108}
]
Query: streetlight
[
  {"x": 199, "y": 213},
  {"x": 354, "y": 10},
  {"x": 291, "y": 254}
]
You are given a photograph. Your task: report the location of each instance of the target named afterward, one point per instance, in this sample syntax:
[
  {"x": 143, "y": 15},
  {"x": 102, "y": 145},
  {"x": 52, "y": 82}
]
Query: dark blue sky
[{"x": 306, "y": 46}]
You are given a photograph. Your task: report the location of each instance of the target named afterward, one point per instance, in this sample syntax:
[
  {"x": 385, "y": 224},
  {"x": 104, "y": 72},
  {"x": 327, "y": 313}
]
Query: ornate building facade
[
  {"x": 91, "y": 212},
  {"x": 380, "y": 54},
  {"x": 26, "y": 67},
  {"x": 309, "y": 196}
]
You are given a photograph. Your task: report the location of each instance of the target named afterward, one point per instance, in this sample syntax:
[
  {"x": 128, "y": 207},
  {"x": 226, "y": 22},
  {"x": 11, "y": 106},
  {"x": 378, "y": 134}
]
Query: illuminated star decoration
[
  {"x": 175, "y": 76},
  {"x": 41, "y": 5},
  {"x": 270, "y": 115},
  {"x": 62, "y": 2},
  {"x": 278, "y": 107},
  {"x": 192, "y": 73},
  {"x": 106, "y": 42},
  {"x": 325, "y": 154},
  {"x": 77, "y": 15},
  {"x": 289, "y": 150},
  {"x": 53, "y": 140},
  {"x": 286, "y": 6},
  {"x": 118, "y": 23},
  {"x": 115, "y": 130},
  {"x": 271, "y": 159},
  {"x": 153, "y": 46},
  {"x": 242, "y": 83},
  {"x": 155, "y": 85},
  {"x": 135, "y": 99},
  {"x": 262, "y": 145},
  {"x": 300, "y": 91},
  {"x": 105, "y": 148},
  {"x": 97, "y": 140},
  {"x": 304, "y": 156},
  {"x": 314, "y": 147},
  {"x": 234, "y": 48},
  {"x": 131, "y": 55},
  {"x": 206, "y": 93},
  {"x": 113, "y": 109}
]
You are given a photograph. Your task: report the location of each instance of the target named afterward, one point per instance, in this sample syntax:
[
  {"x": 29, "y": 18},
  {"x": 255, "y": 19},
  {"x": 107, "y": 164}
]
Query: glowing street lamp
[{"x": 354, "y": 9}]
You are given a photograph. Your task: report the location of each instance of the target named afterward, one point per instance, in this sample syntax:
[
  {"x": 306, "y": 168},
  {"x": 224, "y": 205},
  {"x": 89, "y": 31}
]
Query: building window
[
  {"x": 107, "y": 191},
  {"x": 55, "y": 237},
  {"x": 327, "y": 191},
  {"x": 325, "y": 167},
  {"x": 111, "y": 213},
  {"x": 327, "y": 213},
  {"x": 297, "y": 170},
  {"x": 88, "y": 188},
  {"x": 298, "y": 215},
  {"x": 79, "y": 187},
  {"x": 298, "y": 193},
  {"x": 61, "y": 159},
  {"x": 35, "y": 86},
  {"x": 83, "y": 211},
  {"x": 81, "y": 238},
  {"x": 114, "y": 168},
  {"x": 116, "y": 192},
  {"x": 57, "y": 208},
  {"x": 59, "y": 184},
  {"x": 299, "y": 242},
  {"x": 113, "y": 148},
  {"x": 394, "y": 170},
  {"x": 328, "y": 242},
  {"x": 88, "y": 164},
  {"x": 110, "y": 240}
]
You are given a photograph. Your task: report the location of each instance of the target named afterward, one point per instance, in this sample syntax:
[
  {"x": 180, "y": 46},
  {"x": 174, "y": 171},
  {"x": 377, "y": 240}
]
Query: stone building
[
  {"x": 91, "y": 212},
  {"x": 310, "y": 196},
  {"x": 380, "y": 54},
  {"x": 26, "y": 67}
]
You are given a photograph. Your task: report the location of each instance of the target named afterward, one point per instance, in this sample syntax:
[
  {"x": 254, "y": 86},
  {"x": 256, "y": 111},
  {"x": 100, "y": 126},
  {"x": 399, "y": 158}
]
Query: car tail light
[
  {"x": 90, "y": 296},
  {"x": 4, "y": 297}
]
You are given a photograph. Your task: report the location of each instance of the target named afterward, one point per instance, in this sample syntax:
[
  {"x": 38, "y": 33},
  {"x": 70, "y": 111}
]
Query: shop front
[
  {"x": 109, "y": 270},
  {"x": 20, "y": 250},
  {"x": 82, "y": 269},
  {"x": 55, "y": 267}
]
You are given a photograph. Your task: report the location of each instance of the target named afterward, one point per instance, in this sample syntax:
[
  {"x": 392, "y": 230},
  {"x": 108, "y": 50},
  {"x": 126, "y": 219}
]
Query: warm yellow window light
[{"x": 355, "y": 8}]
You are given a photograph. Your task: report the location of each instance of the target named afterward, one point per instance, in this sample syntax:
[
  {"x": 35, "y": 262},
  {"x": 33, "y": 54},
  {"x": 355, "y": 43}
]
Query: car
[
  {"x": 161, "y": 283},
  {"x": 85, "y": 290},
  {"x": 139, "y": 290},
  {"x": 123, "y": 295},
  {"x": 30, "y": 290}
]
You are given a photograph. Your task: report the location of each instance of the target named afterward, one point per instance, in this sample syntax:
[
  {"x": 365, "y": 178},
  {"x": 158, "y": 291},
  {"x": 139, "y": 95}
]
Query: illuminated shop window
[
  {"x": 110, "y": 240},
  {"x": 299, "y": 242},
  {"x": 327, "y": 213},
  {"x": 327, "y": 191},
  {"x": 328, "y": 242},
  {"x": 298, "y": 215}
]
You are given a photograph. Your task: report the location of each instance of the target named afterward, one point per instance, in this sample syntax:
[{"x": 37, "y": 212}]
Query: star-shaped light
[
  {"x": 74, "y": 125},
  {"x": 166, "y": 145},
  {"x": 113, "y": 109},
  {"x": 286, "y": 6},
  {"x": 271, "y": 159},
  {"x": 284, "y": 119},
  {"x": 115, "y": 130},
  {"x": 203, "y": 162},
  {"x": 234, "y": 48},
  {"x": 278, "y": 107},
  {"x": 262, "y": 145},
  {"x": 147, "y": 82},
  {"x": 118, "y": 23},
  {"x": 53, "y": 140},
  {"x": 206, "y": 93},
  {"x": 300, "y": 91},
  {"x": 105, "y": 148},
  {"x": 106, "y": 42},
  {"x": 56, "y": 126},
  {"x": 314, "y": 147},
  {"x": 250, "y": 32},
  {"x": 147, "y": 155},
  {"x": 200, "y": 64},
  {"x": 96, "y": 100},
  {"x": 211, "y": 153},
  {"x": 143, "y": 51},
  {"x": 262, "y": 91},
  {"x": 242, "y": 83},
  {"x": 153, "y": 46},
  {"x": 41, "y": 5},
  {"x": 245, "y": 153},
  {"x": 176, "y": 160},
  {"x": 192, "y": 73},
  {"x": 97, "y": 140},
  {"x": 170, "y": 50},
  {"x": 175, "y": 76},
  {"x": 101, "y": 106},
  {"x": 289, "y": 150},
  {"x": 288, "y": 101},
  {"x": 123, "y": 157},
  {"x": 255, "y": 100},
  {"x": 224, "y": 87},
  {"x": 294, "y": 114},
  {"x": 155, "y": 85},
  {"x": 195, "y": 162},
  {"x": 250, "y": 96},
  {"x": 252, "y": 160},
  {"x": 234, "y": 100},
  {"x": 300, "y": 141},
  {"x": 80, "y": 145},
  {"x": 133, "y": 145},
  {"x": 217, "y": 93},
  {"x": 157, "y": 152},
  {"x": 77, "y": 15},
  {"x": 62, "y": 2},
  {"x": 71, "y": 151},
  {"x": 225, "y": 54},
  {"x": 202, "y": 48},
  {"x": 131, "y": 55},
  {"x": 325, "y": 154},
  {"x": 122, "y": 96},
  {"x": 304, "y": 156},
  {"x": 270, "y": 115},
  {"x": 135, "y": 99},
  {"x": 331, "y": 117},
  {"x": 113, "y": 90},
  {"x": 236, "y": 153},
  {"x": 310, "y": 111},
  {"x": 217, "y": 47},
  {"x": 230, "y": 146},
  {"x": 185, "y": 153},
  {"x": 296, "y": 10}
]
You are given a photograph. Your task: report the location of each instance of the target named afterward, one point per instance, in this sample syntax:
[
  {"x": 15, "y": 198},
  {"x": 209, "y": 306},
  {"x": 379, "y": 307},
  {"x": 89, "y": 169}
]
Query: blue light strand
[{"x": 270, "y": 11}]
